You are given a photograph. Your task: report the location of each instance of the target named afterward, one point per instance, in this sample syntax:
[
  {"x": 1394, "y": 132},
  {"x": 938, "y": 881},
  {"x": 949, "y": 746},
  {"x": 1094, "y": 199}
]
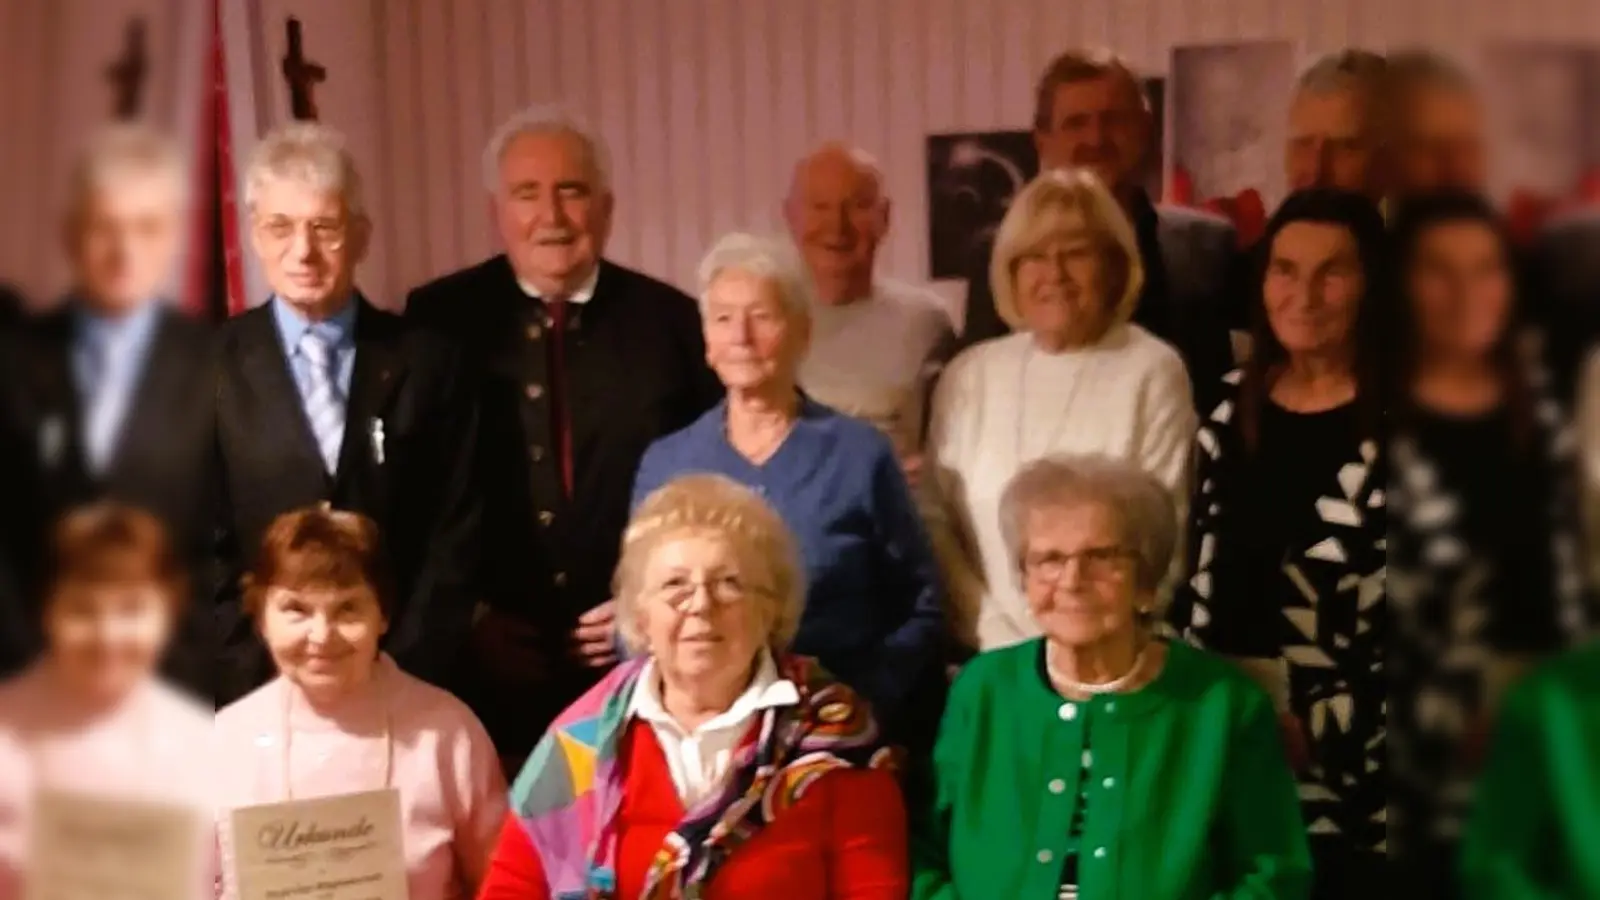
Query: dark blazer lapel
[
  {"x": 278, "y": 411},
  {"x": 380, "y": 367},
  {"x": 58, "y": 413}
]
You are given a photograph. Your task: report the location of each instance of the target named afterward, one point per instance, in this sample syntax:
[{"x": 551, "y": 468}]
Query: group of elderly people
[{"x": 1172, "y": 683}]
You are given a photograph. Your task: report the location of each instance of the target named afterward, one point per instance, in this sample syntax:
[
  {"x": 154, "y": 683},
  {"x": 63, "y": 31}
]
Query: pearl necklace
[{"x": 1116, "y": 685}]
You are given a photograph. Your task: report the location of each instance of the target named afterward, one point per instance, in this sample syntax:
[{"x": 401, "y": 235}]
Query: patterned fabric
[
  {"x": 324, "y": 400},
  {"x": 1287, "y": 571},
  {"x": 568, "y": 794}
]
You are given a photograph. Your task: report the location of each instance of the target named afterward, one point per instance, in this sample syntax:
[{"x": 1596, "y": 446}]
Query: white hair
[
  {"x": 1144, "y": 508},
  {"x": 546, "y": 120},
  {"x": 1348, "y": 69},
  {"x": 311, "y": 154},
  {"x": 770, "y": 259},
  {"x": 125, "y": 152}
]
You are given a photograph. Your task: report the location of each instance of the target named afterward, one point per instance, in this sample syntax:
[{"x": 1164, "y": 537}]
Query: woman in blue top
[{"x": 873, "y": 613}]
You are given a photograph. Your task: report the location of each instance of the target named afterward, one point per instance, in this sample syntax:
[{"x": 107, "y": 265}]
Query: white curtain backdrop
[{"x": 706, "y": 103}]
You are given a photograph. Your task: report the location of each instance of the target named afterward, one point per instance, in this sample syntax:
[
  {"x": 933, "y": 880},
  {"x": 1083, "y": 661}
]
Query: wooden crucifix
[
  {"x": 127, "y": 75},
  {"x": 301, "y": 73}
]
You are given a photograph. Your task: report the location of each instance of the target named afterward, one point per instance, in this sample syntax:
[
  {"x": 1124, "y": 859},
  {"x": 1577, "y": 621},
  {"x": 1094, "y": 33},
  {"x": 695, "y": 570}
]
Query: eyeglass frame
[{"x": 1094, "y": 563}]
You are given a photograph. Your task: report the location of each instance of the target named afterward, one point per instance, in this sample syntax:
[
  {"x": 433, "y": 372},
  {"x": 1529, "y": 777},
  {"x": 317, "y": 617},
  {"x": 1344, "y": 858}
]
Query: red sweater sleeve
[
  {"x": 868, "y": 844},
  {"x": 515, "y": 872}
]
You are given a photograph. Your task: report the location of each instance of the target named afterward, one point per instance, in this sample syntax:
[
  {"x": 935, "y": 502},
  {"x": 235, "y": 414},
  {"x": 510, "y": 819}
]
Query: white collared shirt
[
  {"x": 580, "y": 296},
  {"x": 698, "y": 760}
]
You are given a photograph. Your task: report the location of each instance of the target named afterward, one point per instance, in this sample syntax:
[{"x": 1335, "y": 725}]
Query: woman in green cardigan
[
  {"x": 1099, "y": 762},
  {"x": 1535, "y": 829}
]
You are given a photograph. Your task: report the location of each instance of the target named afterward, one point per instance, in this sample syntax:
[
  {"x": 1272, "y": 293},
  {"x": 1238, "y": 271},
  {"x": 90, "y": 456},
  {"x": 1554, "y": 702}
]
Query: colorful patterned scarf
[{"x": 568, "y": 794}]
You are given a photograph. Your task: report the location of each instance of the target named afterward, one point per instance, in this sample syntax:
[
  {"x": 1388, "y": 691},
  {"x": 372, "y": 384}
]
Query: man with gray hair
[
  {"x": 584, "y": 363},
  {"x": 876, "y": 344},
  {"x": 322, "y": 398},
  {"x": 1337, "y": 134},
  {"x": 105, "y": 396},
  {"x": 1438, "y": 138}
]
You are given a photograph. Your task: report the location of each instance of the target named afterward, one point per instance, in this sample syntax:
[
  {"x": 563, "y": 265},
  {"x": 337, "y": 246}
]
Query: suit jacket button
[
  {"x": 535, "y": 391},
  {"x": 536, "y": 453},
  {"x": 534, "y": 332},
  {"x": 560, "y": 579},
  {"x": 546, "y": 517}
]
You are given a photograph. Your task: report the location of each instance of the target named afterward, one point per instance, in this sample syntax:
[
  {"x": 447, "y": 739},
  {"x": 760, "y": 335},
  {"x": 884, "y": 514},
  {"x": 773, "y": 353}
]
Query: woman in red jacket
[{"x": 713, "y": 765}]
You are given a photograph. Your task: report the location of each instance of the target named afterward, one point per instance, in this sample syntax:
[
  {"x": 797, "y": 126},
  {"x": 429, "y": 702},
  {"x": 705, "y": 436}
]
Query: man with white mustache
[
  {"x": 585, "y": 362},
  {"x": 876, "y": 344}
]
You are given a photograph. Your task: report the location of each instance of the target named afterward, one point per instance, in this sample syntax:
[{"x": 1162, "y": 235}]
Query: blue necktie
[{"x": 324, "y": 400}]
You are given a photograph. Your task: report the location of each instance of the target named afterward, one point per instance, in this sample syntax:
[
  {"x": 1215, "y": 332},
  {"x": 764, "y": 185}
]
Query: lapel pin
[{"x": 376, "y": 431}]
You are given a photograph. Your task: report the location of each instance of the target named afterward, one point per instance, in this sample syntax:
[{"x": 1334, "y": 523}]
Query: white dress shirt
[
  {"x": 698, "y": 759},
  {"x": 582, "y": 295}
]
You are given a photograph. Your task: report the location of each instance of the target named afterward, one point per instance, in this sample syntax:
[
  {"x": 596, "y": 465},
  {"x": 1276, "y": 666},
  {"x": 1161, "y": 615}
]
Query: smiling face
[
  {"x": 837, "y": 215},
  {"x": 323, "y": 639},
  {"x": 752, "y": 341},
  {"x": 309, "y": 244},
  {"x": 1079, "y": 576},
  {"x": 1460, "y": 288},
  {"x": 699, "y": 611},
  {"x": 107, "y": 638},
  {"x": 1064, "y": 286},
  {"x": 552, "y": 212},
  {"x": 1313, "y": 288}
]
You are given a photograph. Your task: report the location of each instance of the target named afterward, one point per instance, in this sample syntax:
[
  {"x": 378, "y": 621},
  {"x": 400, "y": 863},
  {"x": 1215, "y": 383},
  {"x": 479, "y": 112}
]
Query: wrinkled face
[
  {"x": 1102, "y": 124},
  {"x": 308, "y": 243},
  {"x": 552, "y": 213},
  {"x": 105, "y": 639},
  {"x": 1460, "y": 287},
  {"x": 124, "y": 241},
  {"x": 837, "y": 215},
  {"x": 1078, "y": 575},
  {"x": 1313, "y": 288},
  {"x": 1440, "y": 143},
  {"x": 324, "y": 640},
  {"x": 1064, "y": 288},
  {"x": 1332, "y": 144},
  {"x": 699, "y": 609},
  {"x": 751, "y": 338}
]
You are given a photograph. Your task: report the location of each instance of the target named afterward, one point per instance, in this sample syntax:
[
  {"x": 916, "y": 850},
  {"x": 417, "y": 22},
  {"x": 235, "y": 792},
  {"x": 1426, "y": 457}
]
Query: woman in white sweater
[{"x": 1076, "y": 376}]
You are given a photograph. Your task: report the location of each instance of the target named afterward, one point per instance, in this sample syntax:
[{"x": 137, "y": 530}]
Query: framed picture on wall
[
  {"x": 1543, "y": 100},
  {"x": 972, "y": 177},
  {"x": 1228, "y": 121}
]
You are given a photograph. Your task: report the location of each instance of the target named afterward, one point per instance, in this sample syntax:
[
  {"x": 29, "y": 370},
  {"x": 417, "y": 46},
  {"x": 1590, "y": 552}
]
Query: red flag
[{"x": 226, "y": 206}]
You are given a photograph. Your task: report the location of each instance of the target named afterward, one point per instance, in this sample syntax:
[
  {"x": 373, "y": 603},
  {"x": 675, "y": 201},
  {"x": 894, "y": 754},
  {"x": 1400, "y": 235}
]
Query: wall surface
[
  {"x": 54, "y": 89},
  {"x": 706, "y": 103}
]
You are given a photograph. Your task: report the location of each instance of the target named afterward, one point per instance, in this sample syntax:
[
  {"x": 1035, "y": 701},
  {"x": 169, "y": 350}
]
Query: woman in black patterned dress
[
  {"x": 1287, "y": 522},
  {"x": 1483, "y": 569}
]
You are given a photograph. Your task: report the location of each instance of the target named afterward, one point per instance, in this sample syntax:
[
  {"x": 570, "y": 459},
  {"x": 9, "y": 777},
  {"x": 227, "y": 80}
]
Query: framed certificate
[
  {"x": 347, "y": 847},
  {"x": 85, "y": 847}
]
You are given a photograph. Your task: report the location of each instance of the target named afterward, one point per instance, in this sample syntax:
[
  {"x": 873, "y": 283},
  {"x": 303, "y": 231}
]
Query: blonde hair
[
  {"x": 705, "y": 503},
  {"x": 1058, "y": 201}
]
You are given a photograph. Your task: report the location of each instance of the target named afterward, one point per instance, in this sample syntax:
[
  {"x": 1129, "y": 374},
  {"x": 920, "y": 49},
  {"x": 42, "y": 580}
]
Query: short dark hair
[
  {"x": 112, "y": 544},
  {"x": 1072, "y": 67},
  {"x": 318, "y": 547}
]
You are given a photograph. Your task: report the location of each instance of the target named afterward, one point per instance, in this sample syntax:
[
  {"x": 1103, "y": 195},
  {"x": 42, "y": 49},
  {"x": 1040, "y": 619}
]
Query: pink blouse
[
  {"x": 425, "y": 742},
  {"x": 148, "y": 748}
]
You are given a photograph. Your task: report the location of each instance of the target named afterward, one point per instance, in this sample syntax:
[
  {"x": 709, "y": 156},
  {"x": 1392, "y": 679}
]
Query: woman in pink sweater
[
  {"x": 341, "y": 718},
  {"x": 90, "y": 717}
]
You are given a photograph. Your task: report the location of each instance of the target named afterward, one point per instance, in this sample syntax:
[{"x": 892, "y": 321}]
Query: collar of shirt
[
  {"x": 766, "y": 690},
  {"x": 582, "y": 295},
  {"x": 338, "y": 329},
  {"x": 105, "y": 332}
]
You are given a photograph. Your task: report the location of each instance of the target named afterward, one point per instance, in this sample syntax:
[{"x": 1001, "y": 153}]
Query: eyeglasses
[
  {"x": 325, "y": 234},
  {"x": 679, "y": 591},
  {"x": 1094, "y": 563}
]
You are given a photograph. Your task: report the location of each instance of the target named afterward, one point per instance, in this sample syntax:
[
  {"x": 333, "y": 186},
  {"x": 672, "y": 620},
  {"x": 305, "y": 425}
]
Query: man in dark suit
[
  {"x": 585, "y": 362},
  {"x": 323, "y": 398},
  {"x": 105, "y": 396},
  {"x": 1090, "y": 110}
]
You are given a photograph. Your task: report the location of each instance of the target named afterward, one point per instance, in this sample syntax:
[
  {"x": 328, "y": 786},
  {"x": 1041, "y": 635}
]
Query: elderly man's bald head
[{"x": 838, "y": 213}]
